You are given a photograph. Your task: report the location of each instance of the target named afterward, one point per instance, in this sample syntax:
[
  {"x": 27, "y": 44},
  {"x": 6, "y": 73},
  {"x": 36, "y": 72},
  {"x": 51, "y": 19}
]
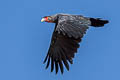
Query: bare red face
[{"x": 46, "y": 19}]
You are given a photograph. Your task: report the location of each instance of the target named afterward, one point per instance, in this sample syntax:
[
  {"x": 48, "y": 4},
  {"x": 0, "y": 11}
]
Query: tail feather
[{"x": 98, "y": 22}]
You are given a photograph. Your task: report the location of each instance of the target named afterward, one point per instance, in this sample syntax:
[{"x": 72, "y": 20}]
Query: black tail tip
[{"x": 98, "y": 22}]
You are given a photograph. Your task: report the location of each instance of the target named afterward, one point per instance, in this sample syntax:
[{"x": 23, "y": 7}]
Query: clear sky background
[{"x": 24, "y": 40}]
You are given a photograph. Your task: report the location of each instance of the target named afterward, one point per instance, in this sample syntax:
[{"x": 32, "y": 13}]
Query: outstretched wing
[
  {"x": 62, "y": 49},
  {"x": 64, "y": 44}
]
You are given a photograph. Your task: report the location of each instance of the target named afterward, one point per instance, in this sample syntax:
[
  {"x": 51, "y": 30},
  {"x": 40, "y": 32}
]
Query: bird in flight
[{"x": 67, "y": 34}]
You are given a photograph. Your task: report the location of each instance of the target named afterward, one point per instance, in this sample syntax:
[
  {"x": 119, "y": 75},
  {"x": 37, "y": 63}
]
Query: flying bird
[{"x": 67, "y": 34}]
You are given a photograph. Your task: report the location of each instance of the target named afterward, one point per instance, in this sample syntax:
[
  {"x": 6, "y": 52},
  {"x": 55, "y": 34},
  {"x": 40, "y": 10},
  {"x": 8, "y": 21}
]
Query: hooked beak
[{"x": 43, "y": 19}]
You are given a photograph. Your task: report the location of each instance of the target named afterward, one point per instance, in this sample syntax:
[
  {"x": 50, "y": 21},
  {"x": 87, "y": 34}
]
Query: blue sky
[{"x": 24, "y": 41}]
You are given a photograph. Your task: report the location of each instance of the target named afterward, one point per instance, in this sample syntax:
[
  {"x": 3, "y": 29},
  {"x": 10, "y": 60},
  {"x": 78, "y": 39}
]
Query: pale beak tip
[{"x": 42, "y": 20}]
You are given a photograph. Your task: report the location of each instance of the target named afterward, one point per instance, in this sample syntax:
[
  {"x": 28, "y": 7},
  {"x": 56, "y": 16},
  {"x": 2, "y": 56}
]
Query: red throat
[{"x": 46, "y": 19}]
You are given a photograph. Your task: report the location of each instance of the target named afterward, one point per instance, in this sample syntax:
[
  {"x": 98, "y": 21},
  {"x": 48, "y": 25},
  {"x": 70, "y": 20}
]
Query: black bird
[{"x": 69, "y": 29}]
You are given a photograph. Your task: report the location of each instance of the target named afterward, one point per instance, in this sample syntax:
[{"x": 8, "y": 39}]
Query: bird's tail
[{"x": 97, "y": 22}]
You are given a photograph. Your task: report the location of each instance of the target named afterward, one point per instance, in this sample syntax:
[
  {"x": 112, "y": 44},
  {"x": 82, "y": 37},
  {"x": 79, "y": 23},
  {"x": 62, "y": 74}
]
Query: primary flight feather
[{"x": 69, "y": 29}]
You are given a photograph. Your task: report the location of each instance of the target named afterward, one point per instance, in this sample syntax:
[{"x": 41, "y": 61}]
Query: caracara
[{"x": 68, "y": 31}]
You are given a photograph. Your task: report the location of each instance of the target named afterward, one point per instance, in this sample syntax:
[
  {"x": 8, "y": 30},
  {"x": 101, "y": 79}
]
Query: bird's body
[{"x": 69, "y": 29}]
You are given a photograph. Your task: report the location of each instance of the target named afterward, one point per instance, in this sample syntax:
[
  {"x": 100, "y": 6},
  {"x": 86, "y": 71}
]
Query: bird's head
[
  {"x": 51, "y": 19},
  {"x": 47, "y": 19}
]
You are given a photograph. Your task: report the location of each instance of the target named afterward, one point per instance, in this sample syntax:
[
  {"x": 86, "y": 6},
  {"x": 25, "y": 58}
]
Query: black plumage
[{"x": 69, "y": 29}]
